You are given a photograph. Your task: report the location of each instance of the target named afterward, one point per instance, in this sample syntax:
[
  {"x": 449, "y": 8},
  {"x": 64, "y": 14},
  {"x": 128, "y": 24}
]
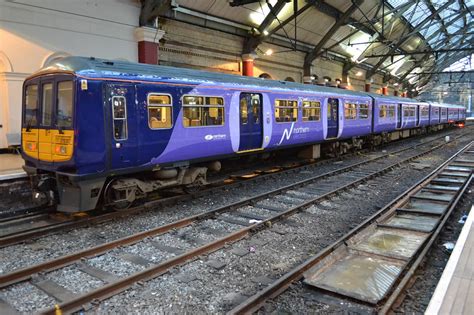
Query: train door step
[
  {"x": 137, "y": 260},
  {"x": 7, "y": 309},
  {"x": 100, "y": 274},
  {"x": 365, "y": 278},
  {"x": 410, "y": 221},
  {"x": 54, "y": 290}
]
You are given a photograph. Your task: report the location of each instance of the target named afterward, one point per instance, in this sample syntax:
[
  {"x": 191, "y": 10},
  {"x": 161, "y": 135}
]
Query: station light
[
  {"x": 269, "y": 52},
  {"x": 265, "y": 32},
  {"x": 395, "y": 84},
  {"x": 359, "y": 73}
]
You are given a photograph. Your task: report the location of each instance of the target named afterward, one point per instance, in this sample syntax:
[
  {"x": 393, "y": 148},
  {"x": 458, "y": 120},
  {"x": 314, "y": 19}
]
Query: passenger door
[
  {"x": 122, "y": 135},
  {"x": 399, "y": 116},
  {"x": 417, "y": 113},
  {"x": 250, "y": 121},
  {"x": 333, "y": 118}
]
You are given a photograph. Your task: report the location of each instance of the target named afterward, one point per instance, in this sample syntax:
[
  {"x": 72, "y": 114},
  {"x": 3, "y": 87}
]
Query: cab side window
[
  {"x": 119, "y": 112},
  {"x": 47, "y": 104},
  {"x": 31, "y": 105},
  {"x": 160, "y": 111}
]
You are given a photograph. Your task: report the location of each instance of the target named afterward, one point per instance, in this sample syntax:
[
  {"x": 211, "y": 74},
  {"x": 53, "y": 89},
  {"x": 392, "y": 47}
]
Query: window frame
[
  {"x": 162, "y": 105},
  {"x": 309, "y": 107},
  {"x": 124, "y": 119},
  {"x": 52, "y": 106},
  {"x": 208, "y": 106},
  {"x": 359, "y": 108},
  {"x": 25, "y": 123},
  {"x": 72, "y": 103},
  {"x": 355, "y": 108},
  {"x": 287, "y": 107}
]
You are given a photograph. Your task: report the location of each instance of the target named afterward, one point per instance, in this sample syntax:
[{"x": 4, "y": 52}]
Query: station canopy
[{"x": 405, "y": 40}]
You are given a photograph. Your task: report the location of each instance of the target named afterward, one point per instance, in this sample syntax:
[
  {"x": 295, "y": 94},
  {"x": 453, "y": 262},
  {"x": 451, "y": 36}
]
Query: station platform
[
  {"x": 454, "y": 293},
  {"x": 11, "y": 166}
]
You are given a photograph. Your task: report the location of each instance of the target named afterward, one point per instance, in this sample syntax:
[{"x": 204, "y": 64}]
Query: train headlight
[
  {"x": 61, "y": 149},
  {"x": 30, "y": 146}
]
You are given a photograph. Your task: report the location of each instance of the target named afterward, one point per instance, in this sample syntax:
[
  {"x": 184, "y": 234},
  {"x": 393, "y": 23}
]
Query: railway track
[
  {"x": 242, "y": 218},
  {"x": 374, "y": 262},
  {"x": 27, "y": 226}
]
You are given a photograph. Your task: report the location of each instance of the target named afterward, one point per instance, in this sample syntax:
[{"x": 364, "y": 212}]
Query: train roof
[{"x": 102, "y": 68}]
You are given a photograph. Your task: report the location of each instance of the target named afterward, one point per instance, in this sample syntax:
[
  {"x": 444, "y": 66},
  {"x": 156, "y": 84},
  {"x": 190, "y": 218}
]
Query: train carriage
[{"x": 113, "y": 131}]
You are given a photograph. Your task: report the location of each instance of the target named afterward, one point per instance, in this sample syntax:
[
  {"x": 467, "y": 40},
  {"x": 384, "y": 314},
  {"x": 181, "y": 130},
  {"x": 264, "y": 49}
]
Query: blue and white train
[{"x": 110, "y": 132}]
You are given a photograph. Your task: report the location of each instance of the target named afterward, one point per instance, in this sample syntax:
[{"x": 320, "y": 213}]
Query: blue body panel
[{"x": 99, "y": 83}]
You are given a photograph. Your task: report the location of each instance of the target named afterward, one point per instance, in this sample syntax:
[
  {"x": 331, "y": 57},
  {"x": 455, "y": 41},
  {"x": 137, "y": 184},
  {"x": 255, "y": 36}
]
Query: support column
[
  {"x": 395, "y": 93},
  {"x": 247, "y": 64},
  {"x": 385, "y": 90},
  {"x": 148, "y": 44},
  {"x": 367, "y": 86}
]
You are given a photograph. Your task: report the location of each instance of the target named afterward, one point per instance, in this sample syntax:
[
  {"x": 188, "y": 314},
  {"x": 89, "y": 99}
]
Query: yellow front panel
[
  {"x": 44, "y": 144},
  {"x": 62, "y": 145},
  {"x": 48, "y": 145},
  {"x": 29, "y": 142}
]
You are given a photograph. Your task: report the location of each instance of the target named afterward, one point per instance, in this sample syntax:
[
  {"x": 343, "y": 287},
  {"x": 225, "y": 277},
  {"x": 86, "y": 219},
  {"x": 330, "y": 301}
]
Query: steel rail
[
  {"x": 255, "y": 302},
  {"x": 15, "y": 238},
  {"x": 157, "y": 270}
]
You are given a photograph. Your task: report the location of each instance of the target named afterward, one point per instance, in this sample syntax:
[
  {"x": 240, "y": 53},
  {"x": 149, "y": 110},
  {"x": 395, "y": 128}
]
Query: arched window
[
  {"x": 265, "y": 76},
  {"x": 290, "y": 79}
]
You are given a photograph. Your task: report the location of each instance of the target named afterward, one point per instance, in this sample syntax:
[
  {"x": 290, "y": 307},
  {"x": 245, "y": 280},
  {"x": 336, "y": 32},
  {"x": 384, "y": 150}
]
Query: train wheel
[{"x": 116, "y": 199}]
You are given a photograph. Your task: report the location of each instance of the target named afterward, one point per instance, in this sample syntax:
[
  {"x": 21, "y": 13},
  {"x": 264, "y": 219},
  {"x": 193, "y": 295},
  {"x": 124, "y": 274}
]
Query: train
[{"x": 109, "y": 132}]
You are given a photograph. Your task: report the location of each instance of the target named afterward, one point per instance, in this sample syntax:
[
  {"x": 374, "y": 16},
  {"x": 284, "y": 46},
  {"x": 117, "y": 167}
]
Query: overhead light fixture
[
  {"x": 395, "y": 84},
  {"x": 269, "y": 52},
  {"x": 359, "y": 73},
  {"x": 413, "y": 90},
  {"x": 445, "y": 93},
  {"x": 265, "y": 32}
]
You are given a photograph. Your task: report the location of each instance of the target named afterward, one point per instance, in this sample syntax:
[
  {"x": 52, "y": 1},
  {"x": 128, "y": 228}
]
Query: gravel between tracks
[
  {"x": 217, "y": 282},
  {"x": 62, "y": 243}
]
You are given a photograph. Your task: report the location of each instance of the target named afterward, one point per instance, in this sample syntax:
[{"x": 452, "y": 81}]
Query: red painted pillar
[
  {"x": 247, "y": 65},
  {"x": 385, "y": 90},
  {"x": 148, "y": 44},
  {"x": 367, "y": 86},
  {"x": 395, "y": 93}
]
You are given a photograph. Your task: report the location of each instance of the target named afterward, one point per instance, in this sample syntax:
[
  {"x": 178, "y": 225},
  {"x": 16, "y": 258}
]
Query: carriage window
[
  {"x": 424, "y": 111},
  {"x": 47, "y": 104},
  {"x": 286, "y": 110},
  {"x": 31, "y": 105},
  {"x": 350, "y": 111},
  {"x": 311, "y": 111},
  {"x": 203, "y": 111},
  {"x": 256, "y": 108},
  {"x": 119, "y": 112},
  {"x": 383, "y": 111},
  {"x": 64, "y": 111},
  {"x": 391, "y": 111},
  {"x": 363, "y": 111},
  {"x": 160, "y": 111},
  {"x": 244, "y": 115}
]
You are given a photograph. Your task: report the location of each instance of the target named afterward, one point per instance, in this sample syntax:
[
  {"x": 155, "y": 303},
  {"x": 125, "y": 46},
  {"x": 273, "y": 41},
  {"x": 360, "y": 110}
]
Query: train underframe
[{"x": 75, "y": 194}]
